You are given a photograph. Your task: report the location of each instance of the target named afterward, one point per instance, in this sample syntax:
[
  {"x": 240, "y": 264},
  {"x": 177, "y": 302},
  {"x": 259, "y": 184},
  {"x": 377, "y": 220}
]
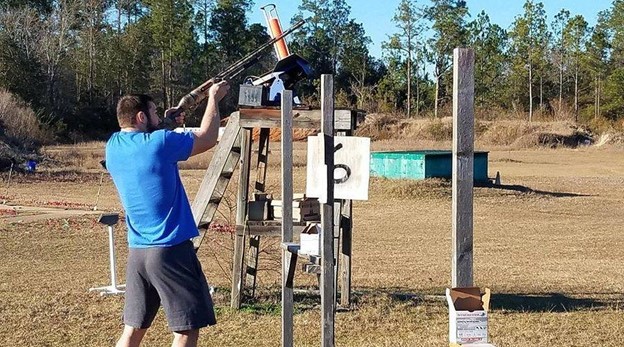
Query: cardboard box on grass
[{"x": 468, "y": 316}]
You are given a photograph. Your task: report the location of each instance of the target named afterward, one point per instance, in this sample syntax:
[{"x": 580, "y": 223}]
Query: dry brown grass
[
  {"x": 19, "y": 122},
  {"x": 546, "y": 243},
  {"x": 501, "y": 133}
]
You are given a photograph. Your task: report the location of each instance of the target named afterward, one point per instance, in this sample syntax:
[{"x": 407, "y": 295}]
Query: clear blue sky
[{"x": 376, "y": 15}]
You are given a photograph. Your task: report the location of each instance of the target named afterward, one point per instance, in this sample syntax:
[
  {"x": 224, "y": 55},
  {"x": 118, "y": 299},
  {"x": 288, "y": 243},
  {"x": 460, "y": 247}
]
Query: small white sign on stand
[{"x": 351, "y": 167}]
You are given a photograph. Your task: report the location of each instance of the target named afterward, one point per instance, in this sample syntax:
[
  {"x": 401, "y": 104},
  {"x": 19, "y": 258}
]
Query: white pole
[
  {"x": 111, "y": 249},
  {"x": 97, "y": 198},
  {"x": 6, "y": 194}
]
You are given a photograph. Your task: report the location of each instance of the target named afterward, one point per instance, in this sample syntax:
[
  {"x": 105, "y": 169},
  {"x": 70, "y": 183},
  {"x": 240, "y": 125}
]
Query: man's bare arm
[{"x": 208, "y": 133}]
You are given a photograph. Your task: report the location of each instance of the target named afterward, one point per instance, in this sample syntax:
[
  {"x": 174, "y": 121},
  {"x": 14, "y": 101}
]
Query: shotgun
[{"x": 192, "y": 99}]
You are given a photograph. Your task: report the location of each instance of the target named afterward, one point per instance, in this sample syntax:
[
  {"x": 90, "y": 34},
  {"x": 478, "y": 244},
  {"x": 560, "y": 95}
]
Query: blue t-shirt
[{"x": 145, "y": 171}]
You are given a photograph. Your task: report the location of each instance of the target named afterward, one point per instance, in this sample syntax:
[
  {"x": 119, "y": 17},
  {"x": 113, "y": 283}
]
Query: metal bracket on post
[{"x": 110, "y": 219}]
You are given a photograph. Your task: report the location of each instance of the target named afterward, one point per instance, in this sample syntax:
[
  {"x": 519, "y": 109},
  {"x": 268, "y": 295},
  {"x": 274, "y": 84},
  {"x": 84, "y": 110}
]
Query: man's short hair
[{"x": 129, "y": 105}]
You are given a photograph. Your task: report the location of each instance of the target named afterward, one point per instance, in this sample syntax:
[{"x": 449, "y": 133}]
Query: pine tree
[
  {"x": 408, "y": 19},
  {"x": 449, "y": 32}
]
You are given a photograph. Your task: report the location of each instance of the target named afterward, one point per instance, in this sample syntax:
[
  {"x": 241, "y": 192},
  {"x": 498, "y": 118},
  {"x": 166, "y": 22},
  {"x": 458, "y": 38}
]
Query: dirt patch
[
  {"x": 55, "y": 176},
  {"x": 28, "y": 214}
]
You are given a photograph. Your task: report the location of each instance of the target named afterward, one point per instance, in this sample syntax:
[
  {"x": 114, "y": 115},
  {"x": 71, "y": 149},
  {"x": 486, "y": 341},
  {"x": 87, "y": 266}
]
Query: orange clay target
[{"x": 276, "y": 30}]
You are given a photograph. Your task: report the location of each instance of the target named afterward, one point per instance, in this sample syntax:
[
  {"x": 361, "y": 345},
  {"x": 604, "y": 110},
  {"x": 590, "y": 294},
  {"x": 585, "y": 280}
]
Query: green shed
[{"x": 423, "y": 164}]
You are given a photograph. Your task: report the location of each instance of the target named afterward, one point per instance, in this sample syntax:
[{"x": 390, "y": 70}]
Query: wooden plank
[
  {"x": 327, "y": 210},
  {"x": 241, "y": 216},
  {"x": 311, "y": 258},
  {"x": 288, "y": 258},
  {"x": 263, "y": 159},
  {"x": 337, "y": 241},
  {"x": 463, "y": 162},
  {"x": 307, "y": 119},
  {"x": 213, "y": 172},
  {"x": 291, "y": 247},
  {"x": 346, "y": 240},
  {"x": 346, "y": 228},
  {"x": 216, "y": 178},
  {"x": 292, "y": 250},
  {"x": 312, "y": 269}
]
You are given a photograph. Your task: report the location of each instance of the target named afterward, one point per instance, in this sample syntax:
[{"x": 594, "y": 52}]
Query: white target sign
[{"x": 351, "y": 168}]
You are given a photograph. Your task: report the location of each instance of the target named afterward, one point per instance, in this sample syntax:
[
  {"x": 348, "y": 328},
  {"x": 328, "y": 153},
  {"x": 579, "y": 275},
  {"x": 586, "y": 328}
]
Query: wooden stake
[
  {"x": 327, "y": 215},
  {"x": 287, "y": 225},
  {"x": 463, "y": 162}
]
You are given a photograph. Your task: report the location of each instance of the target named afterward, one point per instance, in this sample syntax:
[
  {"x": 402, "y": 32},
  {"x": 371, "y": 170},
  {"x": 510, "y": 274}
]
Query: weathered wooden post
[
  {"x": 241, "y": 217},
  {"x": 463, "y": 159},
  {"x": 328, "y": 302},
  {"x": 287, "y": 225}
]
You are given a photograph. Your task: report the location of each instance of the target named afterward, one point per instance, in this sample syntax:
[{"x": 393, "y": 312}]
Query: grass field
[{"x": 549, "y": 244}]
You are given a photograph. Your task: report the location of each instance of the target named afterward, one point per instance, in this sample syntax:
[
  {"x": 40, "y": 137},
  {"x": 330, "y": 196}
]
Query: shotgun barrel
[{"x": 197, "y": 95}]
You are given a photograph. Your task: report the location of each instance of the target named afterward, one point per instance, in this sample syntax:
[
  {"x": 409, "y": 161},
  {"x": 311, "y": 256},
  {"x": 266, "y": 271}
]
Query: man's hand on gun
[
  {"x": 179, "y": 119},
  {"x": 218, "y": 90}
]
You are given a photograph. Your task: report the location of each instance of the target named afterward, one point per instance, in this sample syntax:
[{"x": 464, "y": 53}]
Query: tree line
[{"x": 72, "y": 59}]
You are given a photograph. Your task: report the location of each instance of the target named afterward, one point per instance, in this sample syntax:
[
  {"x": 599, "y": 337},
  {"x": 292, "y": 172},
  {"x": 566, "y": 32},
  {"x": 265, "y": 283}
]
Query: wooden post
[
  {"x": 337, "y": 243},
  {"x": 345, "y": 254},
  {"x": 344, "y": 258},
  {"x": 327, "y": 219},
  {"x": 463, "y": 159},
  {"x": 241, "y": 219},
  {"x": 287, "y": 225}
]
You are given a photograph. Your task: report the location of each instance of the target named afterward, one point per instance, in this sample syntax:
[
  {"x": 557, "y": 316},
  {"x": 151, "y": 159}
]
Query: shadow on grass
[
  {"x": 305, "y": 300},
  {"x": 543, "y": 302},
  {"x": 527, "y": 190},
  {"x": 267, "y": 301},
  {"x": 548, "y": 302}
]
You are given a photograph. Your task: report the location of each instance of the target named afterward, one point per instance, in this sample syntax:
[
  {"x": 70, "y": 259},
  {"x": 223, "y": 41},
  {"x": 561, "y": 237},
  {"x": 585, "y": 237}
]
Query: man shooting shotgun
[
  {"x": 192, "y": 99},
  {"x": 142, "y": 158}
]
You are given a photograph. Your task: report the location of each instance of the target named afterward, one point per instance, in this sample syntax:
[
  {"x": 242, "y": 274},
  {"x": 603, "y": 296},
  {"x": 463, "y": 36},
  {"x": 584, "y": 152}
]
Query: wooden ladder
[
  {"x": 217, "y": 177},
  {"x": 251, "y": 270}
]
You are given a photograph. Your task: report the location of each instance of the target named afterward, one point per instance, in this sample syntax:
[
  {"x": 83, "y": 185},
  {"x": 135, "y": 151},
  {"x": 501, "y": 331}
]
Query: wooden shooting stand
[{"x": 235, "y": 147}]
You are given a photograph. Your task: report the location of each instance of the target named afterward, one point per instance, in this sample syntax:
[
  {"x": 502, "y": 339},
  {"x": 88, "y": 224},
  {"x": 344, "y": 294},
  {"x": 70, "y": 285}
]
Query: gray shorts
[{"x": 171, "y": 276}]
